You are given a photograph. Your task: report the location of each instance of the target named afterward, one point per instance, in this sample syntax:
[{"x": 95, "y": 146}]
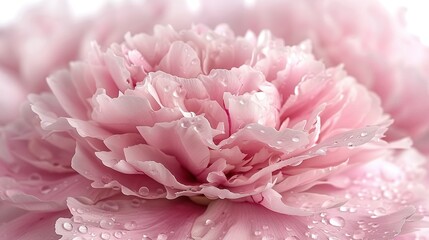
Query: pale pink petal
[
  {"x": 127, "y": 218},
  {"x": 32, "y": 226}
]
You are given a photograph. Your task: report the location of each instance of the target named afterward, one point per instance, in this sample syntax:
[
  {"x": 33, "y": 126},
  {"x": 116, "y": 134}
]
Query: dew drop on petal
[
  {"x": 130, "y": 225},
  {"x": 208, "y": 222},
  {"x": 265, "y": 227},
  {"x": 379, "y": 211},
  {"x": 35, "y": 177},
  {"x": 359, "y": 234},
  {"x": 135, "y": 203},
  {"x": 118, "y": 234},
  {"x": 295, "y": 139},
  {"x": 105, "y": 236},
  {"x": 146, "y": 237},
  {"x": 67, "y": 226},
  {"x": 144, "y": 191},
  {"x": 45, "y": 189},
  {"x": 161, "y": 236},
  {"x": 363, "y": 134},
  {"x": 257, "y": 232},
  {"x": 82, "y": 229},
  {"x": 107, "y": 223},
  {"x": 78, "y": 238},
  {"x": 337, "y": 221}
]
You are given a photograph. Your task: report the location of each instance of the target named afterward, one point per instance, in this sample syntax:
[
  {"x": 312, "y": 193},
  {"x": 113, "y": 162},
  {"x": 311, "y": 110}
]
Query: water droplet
[
  {"x": 363, "y": 134},
  {"x": 106, "y": 179},
  {"x": 105, "y": 236},
  {"x": 350, "y": 145},
  {"x": 135, "y": 203},
  {"x": 323, "y": 214},
  {"x": 194, "y": 61},
  {"x": 343, "y": 209},
  {"x": 107, "y": 223},
  {"x": 110, "y": 206},
  {"x": 295, "y": 139},
  {"x": 379, "y": 211},
  {"x": 146, "y": 237},
  {"x": 67, "y": 226},
  {"x": 257, "y": 232},
  {"x": 161, "y": 236},
  {"x": 80, "y": 211},
  {"x": 167, "y": 88},
  {"x": 118, "y": 234},
  {"x": 208, "y": 222},
  {"x": 35, "y": 177},
  {"x": 82, "y": 229},
  {"x": 160, "y": 191},
  {"x": 144, "y": 191},
  {"x": 77, "y": 219},
  {"x": 130, "y": 225},
  {"x": 359, "y": 234},
  {"x": 279, "y": 142},
  {"x": 337, "y": 221},
  {"x": 45, "y": 189},
  {"x": 265, "y": 227}
]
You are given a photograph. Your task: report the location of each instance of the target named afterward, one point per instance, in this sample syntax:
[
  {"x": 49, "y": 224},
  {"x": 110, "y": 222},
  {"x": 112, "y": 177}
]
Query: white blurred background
[{"x": 415, "y": 12}]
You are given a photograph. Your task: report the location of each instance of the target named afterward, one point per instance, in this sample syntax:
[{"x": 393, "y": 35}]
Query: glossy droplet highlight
[
  {"x": 45, "y": 189},
  {"x": 67, "y": 226},
  {"x": 118, "y": 234},
  {"x": 144, "y": 191},
  {"x": 105, "y": 236},
  {"x": 337, "y": 221},
  {"x": 161, "y": 236},
  {"x": 83, "y": 229},
  {"x": 208, "y": 222},
  {"x": 130, "y": 225},
  {"x": 295, "y": 139},
  {"x": 363, "y": 134},
  {"x": 107, "y": 223}
]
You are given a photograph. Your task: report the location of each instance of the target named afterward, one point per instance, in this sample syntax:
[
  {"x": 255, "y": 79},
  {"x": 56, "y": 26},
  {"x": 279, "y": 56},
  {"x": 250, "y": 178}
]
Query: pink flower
[
  {"x": 373, "y": 45},
  {"x": 235, "y": 137}
]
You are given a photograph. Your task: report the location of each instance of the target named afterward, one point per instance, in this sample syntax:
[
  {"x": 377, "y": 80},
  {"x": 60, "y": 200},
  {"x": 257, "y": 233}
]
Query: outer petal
[
  {"x": 32, "y": 226},
  {"x": 127, "y": 218},
  {"x": 229, "y": 220}
]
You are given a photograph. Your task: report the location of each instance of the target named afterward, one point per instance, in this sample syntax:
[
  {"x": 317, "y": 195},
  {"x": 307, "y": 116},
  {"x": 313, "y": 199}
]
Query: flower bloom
[{"x": 235, "y": 137}]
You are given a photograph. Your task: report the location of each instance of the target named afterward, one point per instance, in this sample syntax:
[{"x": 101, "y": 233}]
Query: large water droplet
[
  {"x": 67, "y": 226},
  {"x": 130, "y": 225},
  {"x": 82, "y": 229},
  {"x": 337, "y": 221},
  {"x": 107, "y": 223},
  {"x": 144, "y": 191}
]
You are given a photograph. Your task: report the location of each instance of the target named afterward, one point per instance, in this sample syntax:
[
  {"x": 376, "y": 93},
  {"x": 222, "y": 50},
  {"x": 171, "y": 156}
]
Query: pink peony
[
  {"x": 373, "y": 45},
  {"x": 235, "y": 137}
]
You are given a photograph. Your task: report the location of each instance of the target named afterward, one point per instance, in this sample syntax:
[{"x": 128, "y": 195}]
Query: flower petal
[{"x": 129, "y": 219}]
